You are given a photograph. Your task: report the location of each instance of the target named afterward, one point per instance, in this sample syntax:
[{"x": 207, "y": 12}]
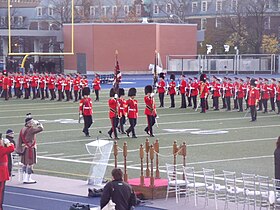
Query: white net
[{"x": 101, "y": 151}]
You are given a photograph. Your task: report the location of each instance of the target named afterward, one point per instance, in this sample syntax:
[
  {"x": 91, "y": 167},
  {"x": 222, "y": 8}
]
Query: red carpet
[{"x": 158, "y": 182}]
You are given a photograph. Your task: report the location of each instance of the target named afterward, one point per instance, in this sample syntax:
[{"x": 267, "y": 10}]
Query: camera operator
[{"x": 27, "y": 148}]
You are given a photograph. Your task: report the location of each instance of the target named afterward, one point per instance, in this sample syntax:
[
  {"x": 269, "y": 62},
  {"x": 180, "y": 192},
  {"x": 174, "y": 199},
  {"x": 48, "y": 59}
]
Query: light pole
[{"x": 174, "y": 15}]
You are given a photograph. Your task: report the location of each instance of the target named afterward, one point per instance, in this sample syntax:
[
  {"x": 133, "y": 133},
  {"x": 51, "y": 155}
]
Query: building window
[
  {"x": 219, "y": 5},
  {"x": 138, "y": 9},
  {"x": 19, "y": 21},
  {"x": 234, "y": 5},
  {"x": 168, "y": 8},
  {"x": 267, "y": 23},
  {"x": 194, "y": 6},
  {"x": 2, "y": 20},
  {"x": 92, "y": 11},
  {"x": 114, "y": 10},
  {"x": 104, "y": 11},
  {"x": 267, "y": 4},
  {"x": 126, "y": 10},
  {"x": 50, "y": 11},
  {"x": 39, "y": 11},
  {"x": 218, "y": 23},
  {"x": 79, "y": 10},
  {"x": 203, "y": 23},
  {"x": 204, "y": 6},
  {"x": 156, "y": 9}
]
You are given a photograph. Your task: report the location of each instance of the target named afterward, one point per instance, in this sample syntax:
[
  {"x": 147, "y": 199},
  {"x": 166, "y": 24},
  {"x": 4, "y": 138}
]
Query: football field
[{"x": 217, "y": 139}]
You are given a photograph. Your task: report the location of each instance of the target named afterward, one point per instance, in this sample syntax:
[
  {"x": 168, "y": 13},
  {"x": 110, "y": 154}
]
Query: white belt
[
  {"x": 131, "y": 109},
  {"x": 121, "y": 108},
  {"x": 86, "y": 107}
]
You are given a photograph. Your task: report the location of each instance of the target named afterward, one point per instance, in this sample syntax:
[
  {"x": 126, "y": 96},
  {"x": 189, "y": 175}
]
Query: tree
[{"x": 270, "y": 44}]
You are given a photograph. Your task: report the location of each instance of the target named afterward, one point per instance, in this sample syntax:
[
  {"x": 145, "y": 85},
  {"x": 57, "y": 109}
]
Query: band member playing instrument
[
  {"x": 132, "y": 112},
  {"x": 203, "y": 92},
  {"x": 113, "y": 113},
  {"x": 171, "y": 90},
  {"x": 27, "y": 148},
  {"x": 150, "y": 110},
  {"x": 85, "y": 109},
  {"x": 253, "y": 99}
]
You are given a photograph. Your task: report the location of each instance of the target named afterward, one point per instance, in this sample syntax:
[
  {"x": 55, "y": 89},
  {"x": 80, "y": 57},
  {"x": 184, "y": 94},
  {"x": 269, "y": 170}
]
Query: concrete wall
[{"x": 136, "y": 44}]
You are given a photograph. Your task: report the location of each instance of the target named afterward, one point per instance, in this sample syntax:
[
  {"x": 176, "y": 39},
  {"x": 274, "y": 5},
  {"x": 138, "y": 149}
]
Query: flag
[
  {"x": 155, "y": 70},
  {"x": 117, "y": 73}
]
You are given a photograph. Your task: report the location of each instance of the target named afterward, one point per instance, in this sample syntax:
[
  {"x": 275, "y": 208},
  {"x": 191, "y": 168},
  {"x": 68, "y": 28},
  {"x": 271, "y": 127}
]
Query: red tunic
[
  {"x": 194, "y": 88},
  {"x": 86, "y": 106},
  {"x": 161, "y": 86},
  {"x": 264, "y": 91},
  {"x": 76, "y": 84},
  {"x": 6, "y": 83},
  {"x": 113, "y": 105},
  {"x": 272, "y": 90},
  {"x": 4, "y": 173},
  {"x": 183, "y": 86},
  {"x": 228, "y": 90},
  {"x": 240, "y": 89},
  {"x": 34, "y": 81},
  {"x": 204, "y": 89},
  {"x": 254, "y": 96},
  {"x": 132, "y": 108},
  {"x": 216, "y": 89},
  {"x": 150, "y": 106},
  {"x": 172, "y": 87},
  {"x": 96, "y": 84},
  {"x": 278, "y": 93},
  {"x": 122, "y": 107},
  {"x": 51, "y": 84}
]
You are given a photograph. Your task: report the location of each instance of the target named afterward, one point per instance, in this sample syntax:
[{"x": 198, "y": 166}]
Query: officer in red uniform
[
  {"x": 5, "y": 85},
  {"x": 60, "y": 87},
  {"x": 228, "y": 93},
  {"x": 96, "y": 86},
  {"x": 240, "y": 94},
  {"x": 253, "y": 99},
  {"x": 122, "y": 110},
  {"x": 216, "y": 93},
  {"x": 182, "y": 88},
  {"x": 246, "y": 90},
  {"x": 34, "y": 83},
  {"x": 85, "y": 109},
  {"x": 259, "y": 87},
  {"x": 76, "y": 87},
  {"x": 161, "y": 89},
  {"x": 150, "y": 110},
  {"x": 113, "y": 113},
  {"x": 265, "y": 94},
  {"x": 132, "y": 112},
  {"x": 272, "y": 94},
  {"x": 171, "y": 90},
  {"x": 194, "y": 92},
  {"x": 51, "y": 86},
  {"x": 5, "y": 149},
  {"x": 203, "y": 92},
  {"x": 67, "y": 87},
  {"x": 278, "y": 96},
  {"x": 26, "y": 86}
]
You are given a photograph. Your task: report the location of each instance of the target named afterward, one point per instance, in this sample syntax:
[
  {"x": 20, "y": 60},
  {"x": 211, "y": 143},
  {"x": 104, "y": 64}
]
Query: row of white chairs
[{"x": 253, "y": 191}]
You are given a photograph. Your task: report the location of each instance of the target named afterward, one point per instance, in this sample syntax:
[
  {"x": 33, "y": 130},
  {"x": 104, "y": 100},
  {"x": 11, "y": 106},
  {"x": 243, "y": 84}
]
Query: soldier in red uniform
[
  {"x": 150, "y": 110},
  {"x": 132, "y": 112},
  {"x": 59, "y": 86},
  {"x": 194, "y": 92},
  {"x": 171, "y": 90},
  {"x": 51, "y": 86},
  {"x": 246, "y": 90},
  {"x": 1, "y": 84},
  {"x": 161, "y": 89},
  {"x": 113, "y": 113},
  {"x": 122, "y": 110},
  {"x": 228, "y": 93},
  {"x": 96, "y": 86},
  {"x": 253, "y": 99},
  {"x": 5, "y": 149},
  {"x": 67, "y": 87},
  {"x": 85, "y": 110},
  {"x": 278, "y": 96},
  {"x": 76, "y": 87},
  {"x": 272, "y": 94},
  {"x": 34, "y": 83},
  {"x": 223, "y": 92},
  {"x": 259, "y": 88},
  {"x": 182, "y": 88},
  {"x": 265, "y": 94},
  {"x": 5, "y": 85},
  {"x": 216, "y": 93},
  {"x": 240, "y": 94},
  {"x": 26, "y": 86},
  {"x": 203, "y": 92}
]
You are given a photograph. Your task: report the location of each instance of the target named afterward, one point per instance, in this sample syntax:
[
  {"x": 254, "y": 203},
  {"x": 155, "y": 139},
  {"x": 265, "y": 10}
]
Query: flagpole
[{"x": 155, "y": 70}]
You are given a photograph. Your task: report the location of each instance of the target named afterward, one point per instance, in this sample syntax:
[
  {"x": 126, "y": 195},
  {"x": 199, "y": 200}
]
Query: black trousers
[
  {"x": 47, "y": 92},
  {"x": 172, "y": 100},
  {"x": 278, "y": 106},
  {"x": 272, "y": 102},
  {"x": 76, "y": 95},
  {"x": 260, "y": 105},
  {"x": 224, "y": 103},
  {"x": 87, "y": 124},
  {"x": 34, "y": 92},
  {"x": 26, "y": 93},
  {"x": 151, "y": 120},
  {"x": 194, "y": 98},
  {"x": 52, "y": 94},
  {"x": 265, "y": 104},
  {"x": 59, "y": 95},
  {"x": 42, "y": 93},
  {"x": 114, "y": 124},
  {"x": 67, "y": 95},
  {"x": 121, "y": 123},
  {"x": 10, "y": 92},
  {"x": 228, "y": 103},
  {"x": 2, "y": 189},
  {"x": 183, "y": 100},
  {"x": 216, "y": 103},
  {"x": 240, "y": 104},
  {"x": 203, "y": 105},
  {"x": 253, "y": 110},
  {"x": 96, "y": 95},
  {"x": 161, "y": 99},
  {"x": 5, "y": 94},
  {"x": 235, "y": 103},
  {"x": 189, "y": 101},
  {"x": 132, "y": 122}
]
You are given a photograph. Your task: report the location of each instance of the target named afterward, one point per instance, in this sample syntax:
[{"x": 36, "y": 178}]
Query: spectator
[
  {"x": 277, "y": 159},
  {"x": 119, "y": 192}
]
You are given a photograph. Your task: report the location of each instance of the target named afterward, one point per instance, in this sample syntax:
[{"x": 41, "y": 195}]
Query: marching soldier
[
  {"x": 51, "y": 86},
  {"x": 42, "y": 86},
  {"x": 5, "y": 85},
  {"x": 247, "y": 88},
  {"x": 228, "y": 93},
  {"x": 272, "y": 94},
  {"x": 34, "y": 82},
  {"x": 59, "y": 85},
  {"x": 223, "y": 92},
  {"x": 150, "y": 110},
  {"x": 122, "y": 110},
  {"x": 26, "y": 85},
  {"x": 278, "y": 96},
  {"x": 96, "y": 86},
  {"x": 203, "y": 92},
  {"x": 240, "y": 95},
  {"x": 1, "y": 84},
  {"x": 265, "y": 95},
  {"x": 11, "y": 84},
  {"x": 76, "y": 87},
  {"x": 132, "y": 112},
  {"x": 46, "y": 77},
  {"x": 113, "y": 113},
  {"x": 253, "y": 99},
  {"x": 259, "y": 87},
  {"x": 172, "y": 91},
  {"x": 85, "y": 110},
  {"x": 182, "y": 88},
  {"x": 235, "y": 93},
  {"x": 67, "y": 87},
  {"x": 161, "y": 89},
  {"x": 216, "y": 93},
  {"x": 194, "y": 92},
  {"x": 188, "y": 92}
]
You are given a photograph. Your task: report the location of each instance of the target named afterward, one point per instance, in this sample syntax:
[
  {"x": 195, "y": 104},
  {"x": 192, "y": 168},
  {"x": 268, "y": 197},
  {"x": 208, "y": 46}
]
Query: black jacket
[
  {"x": 121, "y": 194},
  {"x": 277, "y": 163}
]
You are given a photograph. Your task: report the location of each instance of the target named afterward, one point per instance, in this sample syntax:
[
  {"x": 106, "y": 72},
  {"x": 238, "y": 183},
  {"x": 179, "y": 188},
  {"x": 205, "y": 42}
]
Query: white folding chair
[
  {"x": 212, "y": 190},
  {"x": 249, "y": 186},
  {"x": 175, "y": 184},
  {"x": 274, "y": 198},
  {"x": 263, "y": 193},
  {"x": 17, "y": 166},
  {"x": 192, "y": 187}
]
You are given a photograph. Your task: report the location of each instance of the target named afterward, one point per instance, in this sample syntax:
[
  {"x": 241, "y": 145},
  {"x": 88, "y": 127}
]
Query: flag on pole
[
  {"x": 117, "y": 74},
  {"x": 155, "y": 71}
]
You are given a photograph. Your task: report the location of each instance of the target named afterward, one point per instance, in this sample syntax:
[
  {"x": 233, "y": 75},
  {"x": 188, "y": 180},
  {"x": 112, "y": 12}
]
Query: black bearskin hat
[
  {"x": 172, "y": 76},
  {"x": 148, "y": 89},
  {"x": 28, "y": 118},
  {"x": 203, "y": 77},
  {"x": 5, "y": 73},
  {"x": 253, "y": 82},
  {"x": 112, "y": 92},
  {"x": 161, "y": 75},
  {"x": 132, "y": 92},
  {"x": 86, "y": 91},
  {"x": 121, "y": 92}
]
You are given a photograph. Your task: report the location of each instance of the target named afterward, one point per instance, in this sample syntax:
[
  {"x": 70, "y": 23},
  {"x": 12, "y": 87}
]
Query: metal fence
[{"x": 227, "y": 63}]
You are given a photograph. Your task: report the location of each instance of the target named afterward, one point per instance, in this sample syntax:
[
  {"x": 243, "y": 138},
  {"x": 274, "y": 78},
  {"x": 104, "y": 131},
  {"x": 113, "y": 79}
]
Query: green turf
[{"x": 247, "y": 147}]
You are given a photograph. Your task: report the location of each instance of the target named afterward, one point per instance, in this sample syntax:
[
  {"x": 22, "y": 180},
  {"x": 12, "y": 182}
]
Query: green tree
[{"x": 270, "y": 44}]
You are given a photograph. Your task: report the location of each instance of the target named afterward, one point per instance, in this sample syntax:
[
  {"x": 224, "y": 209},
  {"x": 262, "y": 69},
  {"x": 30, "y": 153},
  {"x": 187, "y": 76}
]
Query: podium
[{"x": 101, "y": 151}]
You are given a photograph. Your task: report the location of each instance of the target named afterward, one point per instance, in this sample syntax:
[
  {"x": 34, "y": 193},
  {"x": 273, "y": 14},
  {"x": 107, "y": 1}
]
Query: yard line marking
[
  {"x": 44, "y": 152},
  {"x": 81, "y": 155},
  {"x": 54, "y": 154},
  {"x": 17, "y": 207}
]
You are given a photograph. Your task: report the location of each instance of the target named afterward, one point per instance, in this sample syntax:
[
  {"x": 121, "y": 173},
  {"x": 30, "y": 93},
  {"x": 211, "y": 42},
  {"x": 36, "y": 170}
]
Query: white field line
[
  {"x": 16, "y": 207},
  {"x": 53, "y": 154}
]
